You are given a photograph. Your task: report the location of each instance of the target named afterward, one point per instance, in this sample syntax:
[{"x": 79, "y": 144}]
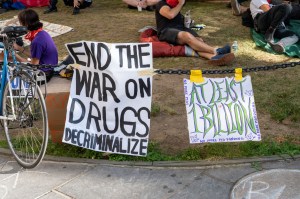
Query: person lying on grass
[{"x": 171, "y": 29}]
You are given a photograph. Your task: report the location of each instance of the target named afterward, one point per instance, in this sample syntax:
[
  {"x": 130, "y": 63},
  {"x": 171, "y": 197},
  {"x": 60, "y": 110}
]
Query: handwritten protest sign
[
  {"x": 221, "y": 110},
  {"x": 110, "y": 102}
]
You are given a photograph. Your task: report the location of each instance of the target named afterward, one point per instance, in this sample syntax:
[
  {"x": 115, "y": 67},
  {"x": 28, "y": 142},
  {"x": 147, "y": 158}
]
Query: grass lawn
[{"x": 277, "y": 93}]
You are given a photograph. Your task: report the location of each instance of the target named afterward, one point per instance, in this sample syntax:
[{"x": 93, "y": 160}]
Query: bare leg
[
  {"x": 204, "y": 50},
  {"x": 135, "y": 3},
  {"x": 152, "y": 2},
  {"x": 205, "y": 55}
]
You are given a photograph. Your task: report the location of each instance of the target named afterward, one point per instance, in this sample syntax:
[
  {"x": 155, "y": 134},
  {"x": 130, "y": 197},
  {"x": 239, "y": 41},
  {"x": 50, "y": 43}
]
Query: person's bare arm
[
  {"x": 22, "y": 50},
  {"x": 19, "y": 58},
  {"x": 35, "y": 61},
  {"x": 170, "y": 13},
  {"x": 265, "y": 7}
]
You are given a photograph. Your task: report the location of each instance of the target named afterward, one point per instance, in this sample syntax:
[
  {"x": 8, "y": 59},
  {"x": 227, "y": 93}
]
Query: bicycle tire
[{"x": 27, "y": 134}]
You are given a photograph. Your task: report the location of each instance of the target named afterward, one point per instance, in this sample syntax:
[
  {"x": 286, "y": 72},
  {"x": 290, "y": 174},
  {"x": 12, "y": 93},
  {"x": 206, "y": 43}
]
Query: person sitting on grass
[
  {"x": 171, "y": 29},
  {"x": 77, "y": 4},
  {"x": 43, "y": 50}
]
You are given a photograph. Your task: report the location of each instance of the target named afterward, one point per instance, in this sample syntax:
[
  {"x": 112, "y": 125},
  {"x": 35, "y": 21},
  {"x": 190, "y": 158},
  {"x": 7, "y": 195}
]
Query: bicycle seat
[{"x": 14, "y": 31}]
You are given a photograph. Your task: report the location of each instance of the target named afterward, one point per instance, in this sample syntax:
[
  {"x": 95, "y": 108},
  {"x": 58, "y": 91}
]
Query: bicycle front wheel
[{"x": 26, "y": 128}]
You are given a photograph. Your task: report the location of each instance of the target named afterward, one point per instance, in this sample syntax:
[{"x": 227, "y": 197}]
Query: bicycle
[{"x": 22, "y": 105}]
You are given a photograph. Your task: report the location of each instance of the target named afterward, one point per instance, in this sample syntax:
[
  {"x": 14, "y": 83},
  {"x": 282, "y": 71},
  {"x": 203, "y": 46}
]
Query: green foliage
[
  {"x": 282, "y": 107},
  {"x": 154, "y": 154},
  {"x": 207, "y": 151},
  {"x": 240, "y": 150},
  {"x": 67, "y": 150},
  {"x": 155, "y": 109},
  {"x": 279, "y": 94},
  {"x": 3, "y": 143}
]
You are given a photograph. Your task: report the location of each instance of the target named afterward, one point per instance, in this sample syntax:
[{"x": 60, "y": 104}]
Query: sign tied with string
[
  {"x": 221, "y": 110},
  {"x": 110, "y": 101}
]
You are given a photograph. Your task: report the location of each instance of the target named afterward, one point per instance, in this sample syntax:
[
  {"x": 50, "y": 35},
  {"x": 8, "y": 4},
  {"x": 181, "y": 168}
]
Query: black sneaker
[
  {"x": 277, "y": 47},
  {"x": 50, "y": 10},
  {"x": 76, "y": 11}
]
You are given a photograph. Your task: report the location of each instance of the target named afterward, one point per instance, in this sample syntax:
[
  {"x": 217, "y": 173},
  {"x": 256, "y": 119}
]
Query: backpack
[{"x": 247, "y": 19}]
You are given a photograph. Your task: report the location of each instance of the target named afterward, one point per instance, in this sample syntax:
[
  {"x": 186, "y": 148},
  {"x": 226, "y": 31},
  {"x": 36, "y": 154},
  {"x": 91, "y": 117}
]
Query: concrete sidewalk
[{"x": 55, "y": 177}]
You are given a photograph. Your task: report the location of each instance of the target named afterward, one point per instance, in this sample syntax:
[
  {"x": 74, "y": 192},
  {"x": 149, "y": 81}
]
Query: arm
[
  {"x": 35, "y": 61},
  {"x": 170, "y": 13},
  {"x": 265, "y": 7},
  {"x": 19, "y": 58},
  {"x": 22, "y": 50}
]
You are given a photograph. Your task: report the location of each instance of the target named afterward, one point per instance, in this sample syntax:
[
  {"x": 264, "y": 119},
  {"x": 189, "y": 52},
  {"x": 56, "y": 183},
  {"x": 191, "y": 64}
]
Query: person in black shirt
[{"x": 171, "y": 29}]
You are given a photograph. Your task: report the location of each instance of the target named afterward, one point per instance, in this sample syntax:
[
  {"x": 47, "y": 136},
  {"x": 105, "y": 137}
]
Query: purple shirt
[{"x": 44, "y": 49}]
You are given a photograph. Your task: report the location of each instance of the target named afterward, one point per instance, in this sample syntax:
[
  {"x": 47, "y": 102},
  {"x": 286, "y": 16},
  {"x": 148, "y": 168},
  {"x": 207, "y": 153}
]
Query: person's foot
[
  {"x": 221, "y": 60},
  {"x": 269, "y": 35},
  {"x": 76, "y": 11},
  {"x": 277, "y": 47},
  {"x": 235, "y": 6},
  {"x": 50, "y": 10},
  {"x": 224, "y": 50}
]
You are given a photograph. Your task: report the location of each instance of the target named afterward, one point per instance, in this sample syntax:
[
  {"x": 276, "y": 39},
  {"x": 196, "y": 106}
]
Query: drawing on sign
[
  {"x": 221, "y": 110},
  {"x": 109, "y": 104}
]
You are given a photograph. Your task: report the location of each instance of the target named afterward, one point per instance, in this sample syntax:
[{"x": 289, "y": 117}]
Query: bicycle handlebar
[{"x": 13, "y": 31}]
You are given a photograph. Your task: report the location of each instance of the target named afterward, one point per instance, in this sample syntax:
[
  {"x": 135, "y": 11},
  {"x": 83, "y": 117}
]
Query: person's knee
[
  {"x": 286, "y": 8},
  {"x": 185, "y": 37}
]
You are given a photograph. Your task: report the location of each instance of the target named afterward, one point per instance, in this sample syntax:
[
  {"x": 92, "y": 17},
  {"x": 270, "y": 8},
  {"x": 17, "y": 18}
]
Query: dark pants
[
  {"x": 295, "y": 13},
  {"x": 53, "y": 4},
  {"x": 170, "y": 34},
  {"x": 273, "y": 18},
  {"x": 83, "y": 5}
]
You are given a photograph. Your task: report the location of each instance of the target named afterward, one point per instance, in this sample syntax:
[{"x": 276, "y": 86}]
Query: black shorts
[{"x": 170, "y": 34}]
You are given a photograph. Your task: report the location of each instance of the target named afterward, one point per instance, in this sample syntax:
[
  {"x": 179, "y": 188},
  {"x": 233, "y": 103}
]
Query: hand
[
  {"x": 76, "y": 3},
  {"x": 141, "y": 3}
]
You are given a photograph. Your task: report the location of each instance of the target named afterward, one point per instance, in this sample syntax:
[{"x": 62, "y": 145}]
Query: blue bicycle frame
[{"x": 5, "y": 73}]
